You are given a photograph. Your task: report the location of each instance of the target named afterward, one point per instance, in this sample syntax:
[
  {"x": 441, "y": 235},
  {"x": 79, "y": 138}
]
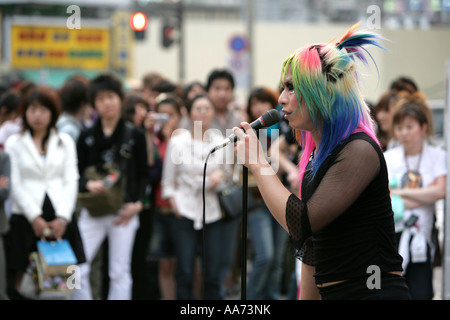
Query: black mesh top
[{"x": 344, "y": 222}]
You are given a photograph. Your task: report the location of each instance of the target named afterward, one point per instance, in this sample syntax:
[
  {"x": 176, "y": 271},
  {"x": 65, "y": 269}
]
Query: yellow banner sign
[{"x": 53, "y": 47}]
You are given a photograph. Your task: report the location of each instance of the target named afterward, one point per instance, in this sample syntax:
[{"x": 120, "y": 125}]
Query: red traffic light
[
  {"x": 168, "y": 33},
  {"x": 138, "y": 21}
]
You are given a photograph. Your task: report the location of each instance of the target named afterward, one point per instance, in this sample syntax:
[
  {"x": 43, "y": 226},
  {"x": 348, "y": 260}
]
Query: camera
[
  {"x": 163, "y": 117},
  {"x": 411, "y": 221}
]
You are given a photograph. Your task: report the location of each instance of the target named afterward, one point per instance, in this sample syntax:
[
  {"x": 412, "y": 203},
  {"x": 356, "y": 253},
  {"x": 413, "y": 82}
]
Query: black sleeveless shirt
[{"x": 344, "y": 222}]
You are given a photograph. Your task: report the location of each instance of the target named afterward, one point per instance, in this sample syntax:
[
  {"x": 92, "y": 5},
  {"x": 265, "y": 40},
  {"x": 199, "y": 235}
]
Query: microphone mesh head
[{"x": 270, "y": 117}]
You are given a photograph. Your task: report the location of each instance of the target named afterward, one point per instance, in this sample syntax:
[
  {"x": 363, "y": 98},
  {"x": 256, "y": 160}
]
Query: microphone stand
[{"x": 244, "y": 233}]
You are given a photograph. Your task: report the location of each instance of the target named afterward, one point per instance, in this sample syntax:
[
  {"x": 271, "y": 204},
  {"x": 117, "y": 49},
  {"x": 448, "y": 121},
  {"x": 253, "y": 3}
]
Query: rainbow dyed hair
[{"x": 324, "y": 77}]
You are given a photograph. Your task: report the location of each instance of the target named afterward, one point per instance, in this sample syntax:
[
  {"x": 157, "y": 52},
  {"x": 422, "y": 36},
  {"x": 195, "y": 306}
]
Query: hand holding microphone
[
  {"x": 248, "y": 149},
  {"x": 268, "y": 119}
]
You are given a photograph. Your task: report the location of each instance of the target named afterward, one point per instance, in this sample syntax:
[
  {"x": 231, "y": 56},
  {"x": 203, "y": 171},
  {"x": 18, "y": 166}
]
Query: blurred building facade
[{"x": 206, "y": 37}]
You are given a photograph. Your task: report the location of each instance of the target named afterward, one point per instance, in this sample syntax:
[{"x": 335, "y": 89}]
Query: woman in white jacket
[{"x": 44, "y": 182}]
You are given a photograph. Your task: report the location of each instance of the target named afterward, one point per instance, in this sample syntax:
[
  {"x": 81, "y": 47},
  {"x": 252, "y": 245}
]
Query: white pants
[{"x": 120, "y": 240}]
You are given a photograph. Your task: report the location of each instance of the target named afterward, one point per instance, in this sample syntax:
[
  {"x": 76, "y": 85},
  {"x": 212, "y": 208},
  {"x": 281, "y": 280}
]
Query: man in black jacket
[{"x": 111, "y": 146}]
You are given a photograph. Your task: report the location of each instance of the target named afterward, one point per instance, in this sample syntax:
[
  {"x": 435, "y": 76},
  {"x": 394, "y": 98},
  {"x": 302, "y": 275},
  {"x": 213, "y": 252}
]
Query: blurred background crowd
[{"x": 171, "y": 63}]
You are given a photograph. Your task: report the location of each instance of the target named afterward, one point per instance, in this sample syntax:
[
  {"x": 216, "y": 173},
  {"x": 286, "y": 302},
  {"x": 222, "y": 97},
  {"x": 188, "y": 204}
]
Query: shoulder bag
[{"x": 114, "y": 178}]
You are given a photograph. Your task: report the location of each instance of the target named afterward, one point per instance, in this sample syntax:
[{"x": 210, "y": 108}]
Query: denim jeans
[
  {"x": 268, "y": 240},
  {"x": 187, "y": 242},
  {"x": 228, "y": 237}
]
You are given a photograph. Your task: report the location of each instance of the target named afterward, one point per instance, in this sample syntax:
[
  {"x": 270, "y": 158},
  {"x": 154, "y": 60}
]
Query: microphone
[{"x": 266, "y": 120}]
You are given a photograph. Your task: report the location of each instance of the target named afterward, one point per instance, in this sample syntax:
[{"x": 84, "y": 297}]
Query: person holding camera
[
  {"x": 182, "y": 177},
  {"x": 159, "y": 128}
]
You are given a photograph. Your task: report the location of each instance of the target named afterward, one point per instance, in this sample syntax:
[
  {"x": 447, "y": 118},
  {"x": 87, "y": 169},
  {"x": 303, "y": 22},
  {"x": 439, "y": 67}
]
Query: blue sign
[{"x": 239, "y": 43}]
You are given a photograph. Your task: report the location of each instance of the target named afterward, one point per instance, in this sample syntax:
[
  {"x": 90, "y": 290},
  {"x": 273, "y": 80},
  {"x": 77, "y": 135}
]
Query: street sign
[
  {"x": 239, "y": 44},
  {"x": 59, "y": 47}
]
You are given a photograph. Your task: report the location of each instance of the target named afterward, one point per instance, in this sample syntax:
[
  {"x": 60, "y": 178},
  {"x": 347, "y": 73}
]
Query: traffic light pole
[
  {"x": 181, "y": 51},
  {"x": 250, "y": 11}
]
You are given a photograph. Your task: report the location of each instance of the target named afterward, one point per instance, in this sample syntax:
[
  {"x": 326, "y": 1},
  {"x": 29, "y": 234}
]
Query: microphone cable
[{"x": 204, "y": 226}]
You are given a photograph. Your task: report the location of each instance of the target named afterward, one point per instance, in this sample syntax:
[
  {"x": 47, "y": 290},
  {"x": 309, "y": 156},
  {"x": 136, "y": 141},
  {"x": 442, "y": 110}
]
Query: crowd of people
[
  {"x": 141, "y": 237},
  {"x": 144, "y": 235}
]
